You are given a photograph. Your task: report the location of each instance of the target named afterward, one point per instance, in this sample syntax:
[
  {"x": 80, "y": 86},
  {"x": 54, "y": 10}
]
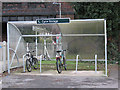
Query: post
[
  {"x": 1, "y": 58},
  {"x": 36, "y": 44},
  {"x": 27, "y": 47},
  {"x": 96, "y": 63},
  {"x": 105, "y": 47},
  {"x": 76, "y": 61},
  {"x": 44, "y": 48},
  {"x": 60, "y": 9},
  {"x": 8, "y": 48},
  {"x": 24, "y": 63},
  {"x": 40, "y": 62},
  {"x": 60, "y": 40},
  {"x": 4, "y": 55}
]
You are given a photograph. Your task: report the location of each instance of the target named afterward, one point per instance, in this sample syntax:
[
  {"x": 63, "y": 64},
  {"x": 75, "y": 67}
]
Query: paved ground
[
  {"x": 61, "y": 81},
  {"x": 64, "y": 73}
]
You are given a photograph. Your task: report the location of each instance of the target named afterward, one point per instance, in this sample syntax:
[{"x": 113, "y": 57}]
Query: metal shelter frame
[{"x": 8, "y": 41}]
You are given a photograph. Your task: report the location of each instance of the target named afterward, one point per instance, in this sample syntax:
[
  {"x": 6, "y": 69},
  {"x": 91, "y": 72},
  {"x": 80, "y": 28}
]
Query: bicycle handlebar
[{"x": 30, "y": 51}]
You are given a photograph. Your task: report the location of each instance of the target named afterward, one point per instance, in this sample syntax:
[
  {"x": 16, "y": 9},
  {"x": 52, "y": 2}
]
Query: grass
[
  {"x": 48, "y": 62},
  {"x": 71, "y": 65}
]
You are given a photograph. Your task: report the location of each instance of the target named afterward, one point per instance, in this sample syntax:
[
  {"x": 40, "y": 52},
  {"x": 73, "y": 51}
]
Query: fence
[{"x": 3, "y": 62}]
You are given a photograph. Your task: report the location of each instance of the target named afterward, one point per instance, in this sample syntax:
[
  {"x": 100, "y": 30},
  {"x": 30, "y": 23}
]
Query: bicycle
[
  {"x": 60, "y": 60},
  {"x": 31, "y": 61}
]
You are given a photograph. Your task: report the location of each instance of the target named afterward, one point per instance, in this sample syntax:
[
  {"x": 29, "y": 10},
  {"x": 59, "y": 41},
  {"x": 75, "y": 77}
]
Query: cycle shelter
[{"x": 84, "y": 37}]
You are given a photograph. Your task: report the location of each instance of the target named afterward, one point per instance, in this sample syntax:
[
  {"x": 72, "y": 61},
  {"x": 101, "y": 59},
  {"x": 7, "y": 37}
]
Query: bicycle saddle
[{"x": 58, "y": 51}]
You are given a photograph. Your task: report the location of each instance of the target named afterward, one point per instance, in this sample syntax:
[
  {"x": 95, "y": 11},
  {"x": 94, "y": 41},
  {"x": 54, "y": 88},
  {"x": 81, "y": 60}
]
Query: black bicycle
[
  {"x": 31, "y": 61},
  {"x": 60, "y": 60}
]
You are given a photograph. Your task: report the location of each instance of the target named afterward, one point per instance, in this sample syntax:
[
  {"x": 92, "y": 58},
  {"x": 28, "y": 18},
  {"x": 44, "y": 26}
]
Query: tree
[{"x": 109, "y": 11}]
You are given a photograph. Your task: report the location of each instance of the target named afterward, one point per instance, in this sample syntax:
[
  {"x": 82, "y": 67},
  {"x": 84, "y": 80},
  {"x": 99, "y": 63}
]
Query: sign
[
  {"x": 0, "y": 46},
  {"x": 53, "y": 21}
]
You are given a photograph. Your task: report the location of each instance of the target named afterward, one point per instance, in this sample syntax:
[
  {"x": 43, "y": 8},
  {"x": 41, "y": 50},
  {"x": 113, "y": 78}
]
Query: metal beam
[
  {"x": 39, "y": 35},
  {"x": 63, "y": 35},
  {"x": 8, "y": 53},
  {"x": 83, "y": 34},
  {"x": 36, "y": 43},
  {"x": 88, "y": 20},
  {"x": 105, "y": 47}
]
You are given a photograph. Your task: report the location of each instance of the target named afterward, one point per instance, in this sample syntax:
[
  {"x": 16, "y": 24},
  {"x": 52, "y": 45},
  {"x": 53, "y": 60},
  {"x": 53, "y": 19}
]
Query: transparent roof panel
[
  {"x": 29, "y": 28},
  {"x": 74, "y": 27},
  {"x": 83, "y": 27}
]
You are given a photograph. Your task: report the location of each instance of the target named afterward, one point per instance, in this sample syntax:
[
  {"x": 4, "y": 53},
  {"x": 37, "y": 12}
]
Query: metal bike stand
[
  {"x": 40, "y": 62},
  {"x": 23, "y": 62},
  {"x": 77, "y": 62}
]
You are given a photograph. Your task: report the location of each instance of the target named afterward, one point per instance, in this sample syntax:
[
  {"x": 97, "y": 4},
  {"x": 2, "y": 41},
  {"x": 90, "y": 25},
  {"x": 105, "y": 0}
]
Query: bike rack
[
  {"x": 77, "y": 62},
  {"x": 96, "y": 63},
  {"x": 40, "y": 62},
  {"x": 24, "y": 63}
]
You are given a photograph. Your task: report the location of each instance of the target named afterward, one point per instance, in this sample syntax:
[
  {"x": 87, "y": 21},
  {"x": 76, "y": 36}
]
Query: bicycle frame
[{"x": 60, "y": 55}]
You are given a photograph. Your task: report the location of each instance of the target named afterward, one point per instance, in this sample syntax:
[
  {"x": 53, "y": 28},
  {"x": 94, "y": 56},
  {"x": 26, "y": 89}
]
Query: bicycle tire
[
  {"x": 35, "y": 61},
  {"x": 64, "y": 63},
  {"x": 59, "y": 65},
  {"x": 28, "y": 65}
]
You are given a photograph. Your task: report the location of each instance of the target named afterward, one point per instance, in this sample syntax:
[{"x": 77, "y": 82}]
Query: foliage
[{"x": 99, "y": 10}]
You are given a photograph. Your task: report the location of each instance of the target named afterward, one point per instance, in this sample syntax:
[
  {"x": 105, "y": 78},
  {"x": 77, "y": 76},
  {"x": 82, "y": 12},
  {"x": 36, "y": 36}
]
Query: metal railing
[{"x": 3, "y": 56}]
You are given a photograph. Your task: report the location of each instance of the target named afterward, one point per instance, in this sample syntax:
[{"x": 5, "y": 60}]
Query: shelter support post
[
  {"x": 8, "y": 53},
  {"x": 105, "y": 47}
]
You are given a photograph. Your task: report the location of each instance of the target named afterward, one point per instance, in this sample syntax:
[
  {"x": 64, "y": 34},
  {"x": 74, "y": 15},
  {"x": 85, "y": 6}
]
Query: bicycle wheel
[
  {"x": 59, "y": 65},
  {"x": 64, "y": 63},
  {"x": 28, "y": 65},
  {"x": 35, "y": 63}
]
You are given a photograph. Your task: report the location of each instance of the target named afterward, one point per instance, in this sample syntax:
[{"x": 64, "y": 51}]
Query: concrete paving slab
[{"x": 65, "y": 73}]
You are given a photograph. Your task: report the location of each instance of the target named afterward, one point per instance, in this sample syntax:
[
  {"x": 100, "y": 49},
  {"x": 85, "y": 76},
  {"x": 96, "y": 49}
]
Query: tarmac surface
[{"x": 68, "y": 79}]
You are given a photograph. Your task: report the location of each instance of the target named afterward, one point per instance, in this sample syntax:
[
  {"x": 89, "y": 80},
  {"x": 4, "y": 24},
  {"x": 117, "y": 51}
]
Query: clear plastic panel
[
  {"x": 14, "y": 38},
  {"x": 83, "y": 27},
  {"x": 86, "y": 47},
  {"x": 28, "y": 28}
]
